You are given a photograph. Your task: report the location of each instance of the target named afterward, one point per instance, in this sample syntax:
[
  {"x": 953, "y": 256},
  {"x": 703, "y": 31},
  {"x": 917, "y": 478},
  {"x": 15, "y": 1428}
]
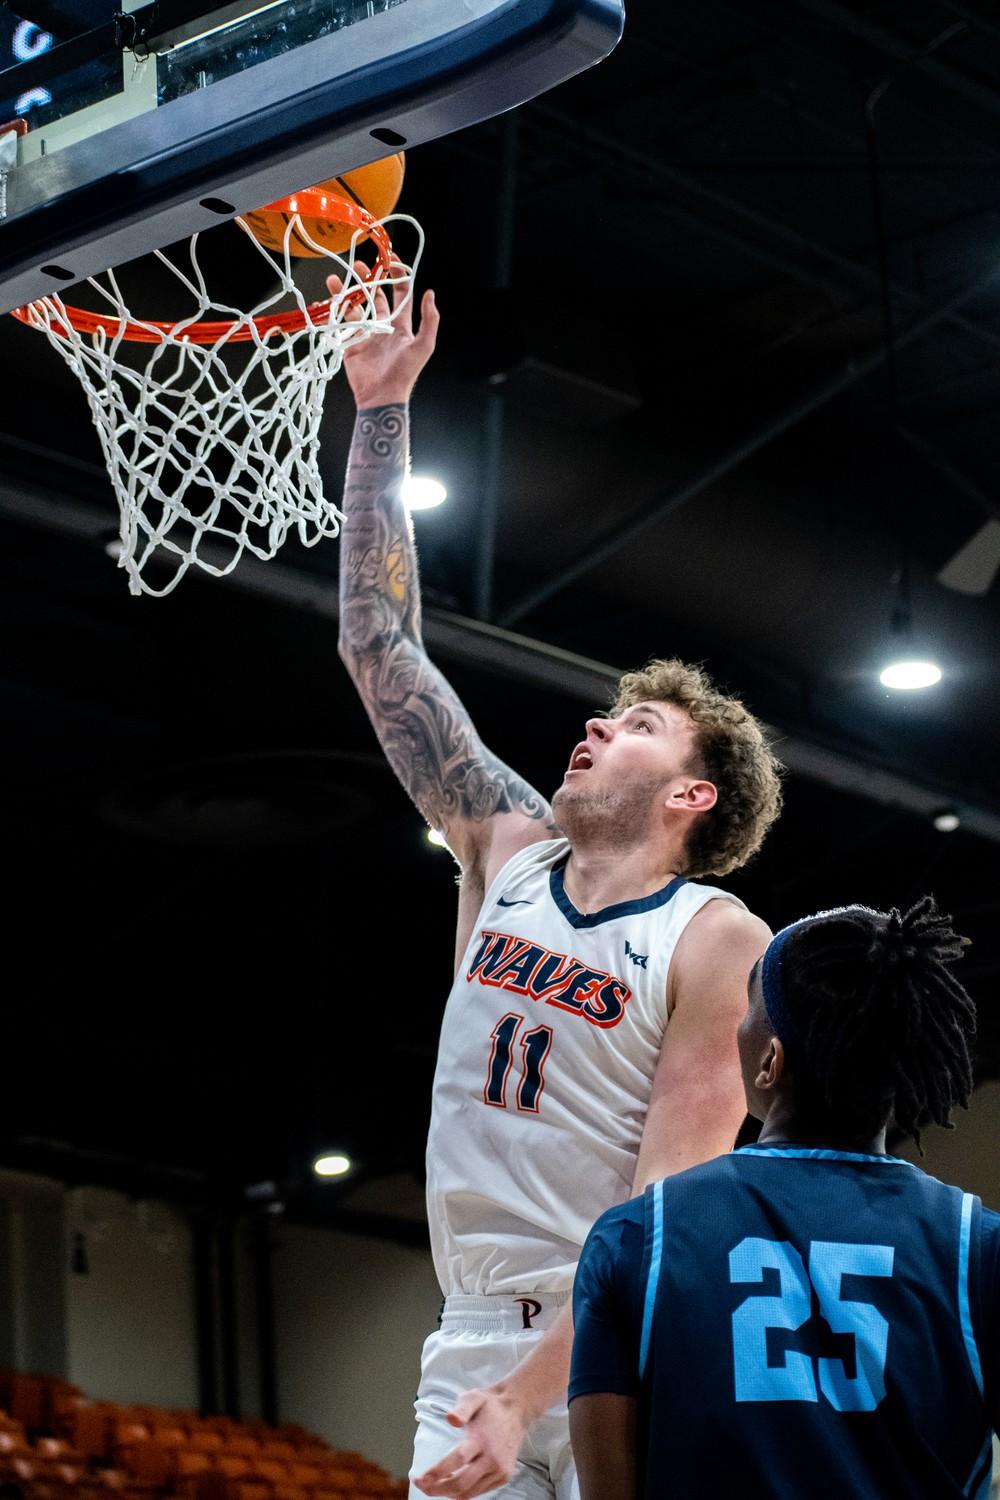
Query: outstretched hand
[
  {"x": 384, "y": 369},
  {"x": 494, "y": 1431}
]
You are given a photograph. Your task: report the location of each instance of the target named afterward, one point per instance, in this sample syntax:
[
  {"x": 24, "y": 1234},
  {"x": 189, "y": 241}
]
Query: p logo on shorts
[{"x": 529, "y": 1309}]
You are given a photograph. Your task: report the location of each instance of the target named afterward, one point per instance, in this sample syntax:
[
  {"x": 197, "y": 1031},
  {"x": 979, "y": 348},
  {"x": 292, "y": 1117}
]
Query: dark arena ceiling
[{"x": 228, "y": 943}]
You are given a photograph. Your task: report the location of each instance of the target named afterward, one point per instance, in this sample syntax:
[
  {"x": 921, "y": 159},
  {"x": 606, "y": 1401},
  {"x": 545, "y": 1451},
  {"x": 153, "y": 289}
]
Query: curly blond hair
[{"x": 732, "y": 753}]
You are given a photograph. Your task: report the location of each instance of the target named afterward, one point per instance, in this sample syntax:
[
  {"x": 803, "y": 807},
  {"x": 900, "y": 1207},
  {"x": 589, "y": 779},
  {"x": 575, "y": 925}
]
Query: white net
[{"x": 212, "y": 448}]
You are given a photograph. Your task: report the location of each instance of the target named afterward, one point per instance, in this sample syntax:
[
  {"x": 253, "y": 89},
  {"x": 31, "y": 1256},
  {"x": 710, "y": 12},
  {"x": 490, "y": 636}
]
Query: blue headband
[{"x": 772, "y": 981}]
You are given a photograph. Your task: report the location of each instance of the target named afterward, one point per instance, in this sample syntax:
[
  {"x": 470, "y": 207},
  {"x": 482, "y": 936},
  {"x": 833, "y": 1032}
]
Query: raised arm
[{"x": 484, "y": 810}]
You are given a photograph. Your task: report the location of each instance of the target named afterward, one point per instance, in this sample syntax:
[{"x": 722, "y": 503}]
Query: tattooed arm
[{"x": 485, "y": 811}]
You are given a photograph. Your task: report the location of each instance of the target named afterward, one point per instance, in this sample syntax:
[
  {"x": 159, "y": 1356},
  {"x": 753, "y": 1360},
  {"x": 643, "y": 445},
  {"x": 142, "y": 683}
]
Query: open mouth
[{"x": 581, "y": 759}]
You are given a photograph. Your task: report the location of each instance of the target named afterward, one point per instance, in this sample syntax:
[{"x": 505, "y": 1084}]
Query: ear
[
  {"x": 772, "y": 1066},
  {"x": 693, "y": 797}
]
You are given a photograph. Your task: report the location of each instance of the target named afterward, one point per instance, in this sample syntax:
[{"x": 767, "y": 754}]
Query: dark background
[{"x": 228, "y": 943}]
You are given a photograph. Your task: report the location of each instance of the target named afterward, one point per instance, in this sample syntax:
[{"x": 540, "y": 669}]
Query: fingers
[
  {"x": 402, "y": 303},
  {"x": 443, "y": 1472},
  {"x": 462, "y": 1481},
  {"x": 430, "y": 321},
  {"x": 465, "y": 1409}
]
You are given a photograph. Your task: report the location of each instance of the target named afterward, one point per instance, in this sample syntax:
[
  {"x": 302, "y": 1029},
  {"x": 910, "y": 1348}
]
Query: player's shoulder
[
  {"x": 620, "y": 1222},
  {"x": 724, "y": 918},
  {"x": 614, "y": 1251},
  {"x": 705, "y": 1175},
  {"x": 619, "y": 1232},
  {"x": 516, "y": 850},
  {"x": 722, "y": 935},
  {"x": 989, "y": 1230}
]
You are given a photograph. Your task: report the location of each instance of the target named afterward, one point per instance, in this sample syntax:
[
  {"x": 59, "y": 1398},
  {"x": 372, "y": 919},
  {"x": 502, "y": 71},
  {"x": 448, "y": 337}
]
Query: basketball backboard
[{"x": 157, "y": 120}]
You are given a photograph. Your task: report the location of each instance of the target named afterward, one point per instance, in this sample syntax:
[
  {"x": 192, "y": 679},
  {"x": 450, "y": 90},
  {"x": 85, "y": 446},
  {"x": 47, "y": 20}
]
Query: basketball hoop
[{"x": 199, "y": 450}]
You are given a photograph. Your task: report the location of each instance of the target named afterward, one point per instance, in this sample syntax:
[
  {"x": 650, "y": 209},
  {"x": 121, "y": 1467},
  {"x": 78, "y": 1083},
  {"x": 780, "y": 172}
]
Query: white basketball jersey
[{"x": 550, "y": 1039}]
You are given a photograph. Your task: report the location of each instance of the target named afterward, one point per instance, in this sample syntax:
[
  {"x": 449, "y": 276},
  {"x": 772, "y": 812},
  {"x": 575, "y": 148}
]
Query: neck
[
  {"x": 600, "y": 877},
  {"x": 785, "y": 1123}
]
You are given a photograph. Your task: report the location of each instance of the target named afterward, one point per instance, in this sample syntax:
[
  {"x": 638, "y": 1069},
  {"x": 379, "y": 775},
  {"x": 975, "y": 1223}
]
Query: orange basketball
[{"x": 376, "y": 188}]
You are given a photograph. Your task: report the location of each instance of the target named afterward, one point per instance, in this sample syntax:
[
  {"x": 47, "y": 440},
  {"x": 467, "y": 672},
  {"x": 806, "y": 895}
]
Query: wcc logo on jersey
[{"x": 526, "y": 968}]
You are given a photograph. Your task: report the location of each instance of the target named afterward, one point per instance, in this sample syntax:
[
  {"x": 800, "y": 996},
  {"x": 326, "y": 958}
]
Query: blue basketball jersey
[{"x": 798, "y": 1322}]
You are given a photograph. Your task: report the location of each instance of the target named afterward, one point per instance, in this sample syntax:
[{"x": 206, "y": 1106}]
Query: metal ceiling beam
[
  {"x": 961, "y": 483},
  {"x": 489, "y": 648},
  {"x": 902, "y": 51},
  {"x": 989, "y": 28},
  {"x": 588, "y": 138},
  {"x": 616, "y": 537}
]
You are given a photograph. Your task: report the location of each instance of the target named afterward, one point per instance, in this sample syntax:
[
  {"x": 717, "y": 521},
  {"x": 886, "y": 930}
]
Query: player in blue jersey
[{"x": 808, "y": 1316}]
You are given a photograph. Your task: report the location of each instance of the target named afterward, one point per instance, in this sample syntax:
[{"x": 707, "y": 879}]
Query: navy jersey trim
[
  {"x": 578, "y": 919},
  {"x": 816, "y": 1153},
  {"x": 654, "y": 1235}
]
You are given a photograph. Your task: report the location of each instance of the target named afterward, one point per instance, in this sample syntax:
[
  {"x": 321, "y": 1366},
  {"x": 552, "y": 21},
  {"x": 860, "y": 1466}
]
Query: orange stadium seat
[
  {"x": 306, "y": 1474},
  {"x": 89, "y": 1429},
  {"x": 233, "y": 1465},
  {"x": 339, "y": 1478},
  {"x": 148, "y": 1464},
  {"x": 252, "y": 1489},
  {"x": 274, "y": 1473},
  {"x": 125, "y": 1433},
  {"x": 26, "y": 1402},
  {"x": 13, "y": 1443},
  {"x": 206, "y": 1442},
  {"x": 59, "y": 1450},
  {"x": 169, "y": 1437},
  {"x": 56, "y": 1444},
  {"x": 241, "y": 1442},
  {"x": 188, "y": 1464},
  {"x": 277, "y": 1450}
]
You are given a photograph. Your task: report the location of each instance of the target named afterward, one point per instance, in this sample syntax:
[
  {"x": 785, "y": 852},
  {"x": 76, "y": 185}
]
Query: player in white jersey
[{"x": 588, "y": 1044}]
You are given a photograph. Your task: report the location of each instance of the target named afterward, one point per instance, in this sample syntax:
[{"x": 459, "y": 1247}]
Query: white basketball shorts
[{"x": 480, "y": 1340}]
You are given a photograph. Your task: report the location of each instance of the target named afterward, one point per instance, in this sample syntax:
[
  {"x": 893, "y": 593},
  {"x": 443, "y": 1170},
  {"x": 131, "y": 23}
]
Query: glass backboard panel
[{"x": 149, "y": 124}]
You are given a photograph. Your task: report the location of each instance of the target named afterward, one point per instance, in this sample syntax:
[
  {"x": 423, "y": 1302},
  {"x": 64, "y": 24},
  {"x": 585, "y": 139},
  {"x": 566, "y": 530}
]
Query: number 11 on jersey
[{"x": 534, "y": 1046}]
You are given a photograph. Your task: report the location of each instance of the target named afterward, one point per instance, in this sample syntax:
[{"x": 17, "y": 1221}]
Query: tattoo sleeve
[{"x": 423, "y": 728}]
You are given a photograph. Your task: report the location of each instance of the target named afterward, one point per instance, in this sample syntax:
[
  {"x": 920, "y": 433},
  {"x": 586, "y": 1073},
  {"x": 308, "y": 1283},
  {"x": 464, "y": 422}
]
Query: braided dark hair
[{"x": 885, "y": 1029}]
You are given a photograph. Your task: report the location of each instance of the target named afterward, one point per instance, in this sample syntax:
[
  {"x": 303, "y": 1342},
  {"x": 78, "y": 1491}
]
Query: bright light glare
[
  {"x": 437, "y": 839},
  {"x": 946, "y": 821},
  {"x": 331, "y": 1164},
  {"x": 904, "y": 675},
  {"x": 423, "y": 493}
]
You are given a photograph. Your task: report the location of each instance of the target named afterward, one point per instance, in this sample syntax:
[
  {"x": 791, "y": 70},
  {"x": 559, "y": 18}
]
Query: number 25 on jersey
[{"x": 794, "y": 1379}]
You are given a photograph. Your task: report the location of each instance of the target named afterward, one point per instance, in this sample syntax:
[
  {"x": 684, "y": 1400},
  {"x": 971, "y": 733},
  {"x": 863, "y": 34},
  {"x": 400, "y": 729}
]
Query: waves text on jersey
[{"x": 526, "y": 968}]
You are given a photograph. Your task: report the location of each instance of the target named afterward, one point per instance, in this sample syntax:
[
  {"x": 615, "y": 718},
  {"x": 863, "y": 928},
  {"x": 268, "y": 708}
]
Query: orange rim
[{"x": 313, "y": 203}]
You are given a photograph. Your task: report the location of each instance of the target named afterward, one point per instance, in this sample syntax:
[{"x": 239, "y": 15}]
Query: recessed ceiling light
[
  {"x": 947, "y": 820},
  {"x": 907, "y": 675}
]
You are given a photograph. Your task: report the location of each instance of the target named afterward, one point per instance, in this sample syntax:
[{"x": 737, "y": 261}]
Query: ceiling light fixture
[
  {"x": 420, "y": 492},
  {"x": 947, "y": 820},
  {"x": 909, "y": 668},
  {"x": 909, "y": 673},
  {"x": 332, "y": 1164}
]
